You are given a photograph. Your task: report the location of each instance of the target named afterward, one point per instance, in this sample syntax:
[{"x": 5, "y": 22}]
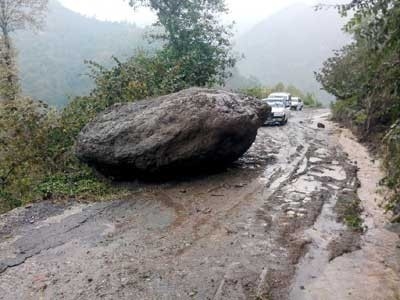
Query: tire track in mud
[
  {"x": 279, "y": 180},
  {"x": 273, "y": 182},
  {"x": 235, "y": 235}
]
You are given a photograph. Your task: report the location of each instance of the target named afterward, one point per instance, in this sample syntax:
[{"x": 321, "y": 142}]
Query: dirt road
[{"x": 267, "y": 228}]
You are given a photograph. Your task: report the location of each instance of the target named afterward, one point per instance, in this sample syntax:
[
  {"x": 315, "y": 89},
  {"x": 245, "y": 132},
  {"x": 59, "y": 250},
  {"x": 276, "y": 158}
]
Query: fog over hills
[
  {"x": 51, "y": 62},
  {"x": 290, "y": 45},
  {"x": 286, "y": 47}
]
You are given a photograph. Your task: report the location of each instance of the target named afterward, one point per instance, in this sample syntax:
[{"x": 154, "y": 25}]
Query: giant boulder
[{"x": 191, "y": 131}]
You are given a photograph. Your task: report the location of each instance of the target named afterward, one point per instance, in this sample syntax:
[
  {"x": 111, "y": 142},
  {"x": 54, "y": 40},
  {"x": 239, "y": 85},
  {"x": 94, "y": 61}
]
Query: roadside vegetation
[
  {"x": 365, "y": 78},
  {"x": 261, "y": 92},
  {"x": 348, "y": 210},
  {"x": 37, "y": 158}
]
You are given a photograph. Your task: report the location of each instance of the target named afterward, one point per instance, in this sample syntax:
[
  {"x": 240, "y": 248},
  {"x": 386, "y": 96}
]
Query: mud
[
  {"x": 246, "y": 233},
  {"x": 353, "y": 266}
]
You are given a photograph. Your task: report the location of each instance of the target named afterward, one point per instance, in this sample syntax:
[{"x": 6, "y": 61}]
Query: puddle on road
[
  {"x": 322, "y": 152},
  {"x": 306, "y": 184},
  {"x": 315, "y": 160},
  {"x": 334, "y": 172}
]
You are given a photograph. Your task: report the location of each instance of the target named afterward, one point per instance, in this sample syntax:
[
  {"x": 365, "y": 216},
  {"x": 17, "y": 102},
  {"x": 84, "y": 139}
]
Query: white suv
[
  {"x": 279, "y": 113},
  {"x": 284, "y": 97},
  {"x": 297, "y": 104}
]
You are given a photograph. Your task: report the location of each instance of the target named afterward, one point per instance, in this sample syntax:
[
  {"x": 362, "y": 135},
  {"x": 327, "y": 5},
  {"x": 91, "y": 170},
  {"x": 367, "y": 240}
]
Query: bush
[
  {"x": 24, "y": 156},
  {"x": 310, "y": 100},
  {"x": 36, "y": 153},
  {"x": 79, "y": 185},
  {"x": 345, "y": 110},
  {"x": 145, "y": 75},
  {"x": 142, "y": 76},
  {"x": 392, "y": 166},
  {"x": 257, "y": 92}
]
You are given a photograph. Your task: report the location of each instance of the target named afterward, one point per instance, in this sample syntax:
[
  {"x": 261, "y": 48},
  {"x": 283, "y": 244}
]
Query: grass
[{"x": 348, "y": 209}]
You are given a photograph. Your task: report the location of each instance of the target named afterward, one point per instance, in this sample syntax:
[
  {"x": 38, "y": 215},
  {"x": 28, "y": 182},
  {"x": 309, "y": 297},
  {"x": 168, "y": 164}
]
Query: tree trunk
[{"x": 9, "y": 78}]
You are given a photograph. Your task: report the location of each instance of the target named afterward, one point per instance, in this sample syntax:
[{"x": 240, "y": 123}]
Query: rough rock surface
[{"x": 195, "y": 129}]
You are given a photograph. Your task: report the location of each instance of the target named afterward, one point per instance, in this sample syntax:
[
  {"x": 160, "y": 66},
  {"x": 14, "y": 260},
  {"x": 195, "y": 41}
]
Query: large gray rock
[{"x": 190, "y": 131}]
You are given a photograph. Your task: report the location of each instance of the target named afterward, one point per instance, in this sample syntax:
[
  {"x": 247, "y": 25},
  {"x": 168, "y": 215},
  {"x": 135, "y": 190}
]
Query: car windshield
[
  {"x": 275, "y": 103},
  {"x": 275, "y": 98}
]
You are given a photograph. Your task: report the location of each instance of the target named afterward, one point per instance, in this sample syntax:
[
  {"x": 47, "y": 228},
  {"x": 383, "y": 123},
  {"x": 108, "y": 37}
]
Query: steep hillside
[
  {"x": 289, "y": 46},
  {"x": 51, "y": 62}
]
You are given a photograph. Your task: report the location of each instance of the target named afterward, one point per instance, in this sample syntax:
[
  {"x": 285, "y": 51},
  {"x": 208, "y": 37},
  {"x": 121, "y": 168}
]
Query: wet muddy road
[{"x": 264, "y": 229}]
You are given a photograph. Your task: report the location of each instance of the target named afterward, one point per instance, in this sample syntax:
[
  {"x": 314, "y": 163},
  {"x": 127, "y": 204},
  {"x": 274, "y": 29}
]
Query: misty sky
[{"x": 244, "y": 12}]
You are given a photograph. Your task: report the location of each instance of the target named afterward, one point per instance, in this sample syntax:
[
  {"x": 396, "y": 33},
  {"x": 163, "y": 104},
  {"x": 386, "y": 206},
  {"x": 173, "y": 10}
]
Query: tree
[
  {"x": 15, "y": 15},
  {"x": 367, "y": 72},
  {"x": 194, "y": 40},
  {"x": 195, "y": 50}
]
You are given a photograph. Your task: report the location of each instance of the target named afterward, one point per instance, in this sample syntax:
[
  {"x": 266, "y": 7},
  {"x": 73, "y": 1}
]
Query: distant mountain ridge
[
  {"x": 51, "y": 62},
  {"x": 290, "y": 45},
  {"x": 286, "y": 47}
]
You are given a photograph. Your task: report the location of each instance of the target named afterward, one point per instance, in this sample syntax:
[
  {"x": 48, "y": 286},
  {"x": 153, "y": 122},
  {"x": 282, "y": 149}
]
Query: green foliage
[
  {"x": 141, "y": 76},
  {"x": 354, "y": 222},
  {"x": 8, "y": 202},
  {"x": 258, "y": 92},
  {"x": 77, "y": 114},
  {"x": 36, "y": 153},
  {"x": 23, "y": 151},
  {"x": 368, "y": 70},
  {"x": 348, "y": 209},
  {"x": 345, "y": 111},
  {"x": 365, "y": 78},
  {"x": 9, "y": 83},
  {"x": 392, "y": 165},
  {"x": 335, "y": 76},
  {"x": 82, "y": 184},
  {"x": 196, "y": 46},
  {"x": 263, "y": 92},
  {"x": 196, "y": 51},
  {"x": 310, "y": 100}
]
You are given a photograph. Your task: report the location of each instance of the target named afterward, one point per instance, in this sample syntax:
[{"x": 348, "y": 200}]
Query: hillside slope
[
  {"x": 290, "y": 45},
  {"x": 51, "y": 62}
]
